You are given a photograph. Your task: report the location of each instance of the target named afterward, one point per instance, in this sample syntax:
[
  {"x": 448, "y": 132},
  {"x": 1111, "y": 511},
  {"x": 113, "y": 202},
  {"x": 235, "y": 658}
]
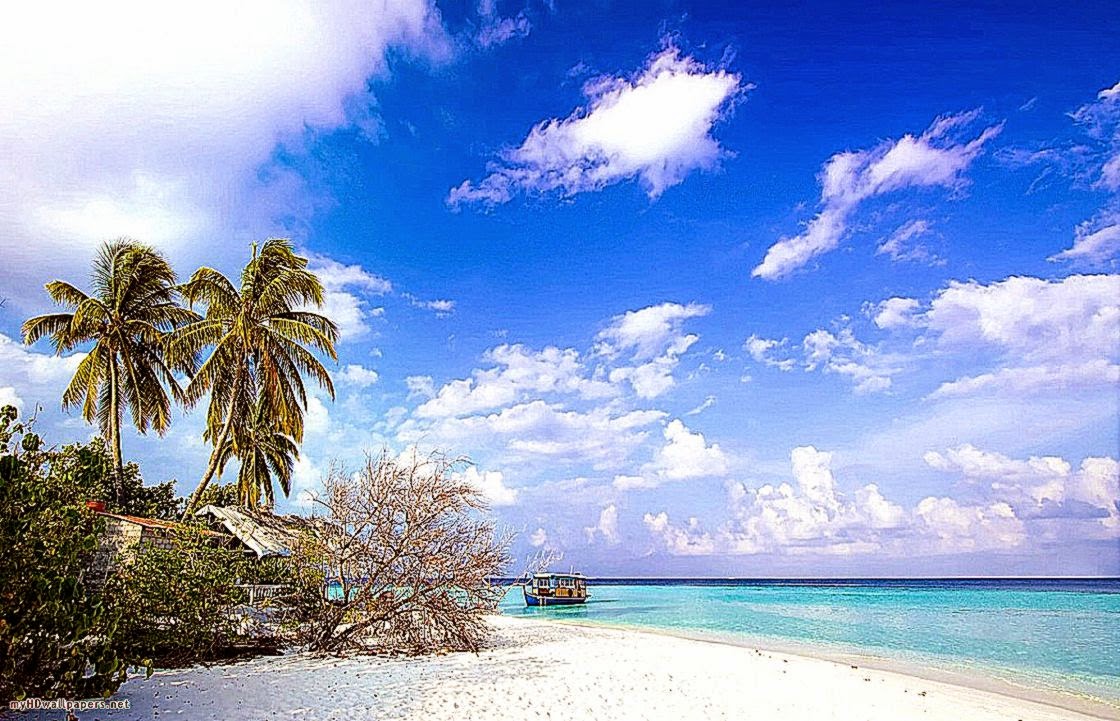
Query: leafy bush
[
  {"x": 56, "y": 638},
  {"x": 177, "y": 603}
]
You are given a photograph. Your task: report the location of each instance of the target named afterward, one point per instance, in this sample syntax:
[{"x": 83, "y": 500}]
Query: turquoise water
[{"x": 1056, "y": 634}]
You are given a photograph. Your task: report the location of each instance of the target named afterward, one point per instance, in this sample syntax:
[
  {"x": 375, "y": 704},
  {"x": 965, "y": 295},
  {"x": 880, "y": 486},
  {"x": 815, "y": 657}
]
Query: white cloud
[
  {"x": 842, "y": 353},
  {"x": 687, "y": 455},
  {"x": 762, "y": 350},
  {"x": 346, "y": 292},
  {"x": 1048, "y": 333},
  {"x": 812, "y": 513},
  {"x": 39, "y": 377},
  {"x": 606, "y": 528},
  {"x": 708, "y": 403},
  {"x": 491, "y": 484},
  {"x": 895, "y": 313},
  {"x": 336, "y": 276},
  {"x": 1095, "y": 240},
  {"x": 496, "y": 30},
  {"x": 420, "y": 387},
  {"x": 518, "y": 374},
  {"x": 9, "y": 397},
  {"x": 358, "y": 375},
  {"x": 958, "y": 528},
  {"x": 654, "y": 340},
  {"x": 442, "y": 308},
  {"x": 538, "y": 538},
  {"x": 540, "y": 432},
  {"x": 899, "y": 245},
  {"x": 688, "y": 541},
  {"x": 1041, "y": 487},
  {"x": 172, "y": 140},
  {"x": 933, "y": 159},
  {"x": 655, "y": 127},
  {"x": 648, "y": 332},
  {"x": 1052, "y": 377},
  {"x": 868, "y": 369}
]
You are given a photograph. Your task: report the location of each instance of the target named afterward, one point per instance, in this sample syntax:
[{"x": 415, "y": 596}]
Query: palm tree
[
  {"x": 128, "y": 319},
  {"x": 260, "y": 334},
  {"x": 265, "y": 452}
]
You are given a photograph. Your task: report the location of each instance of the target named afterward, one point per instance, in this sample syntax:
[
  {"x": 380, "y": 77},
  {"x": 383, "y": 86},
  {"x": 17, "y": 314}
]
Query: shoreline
[
  {"x": 984, "y": 680},
  {"x": 537, "y": 669}
]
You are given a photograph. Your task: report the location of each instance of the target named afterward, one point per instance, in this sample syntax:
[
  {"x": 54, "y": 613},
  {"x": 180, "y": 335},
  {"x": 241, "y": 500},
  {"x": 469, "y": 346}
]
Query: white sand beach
[{"x": 547, "y": 670}]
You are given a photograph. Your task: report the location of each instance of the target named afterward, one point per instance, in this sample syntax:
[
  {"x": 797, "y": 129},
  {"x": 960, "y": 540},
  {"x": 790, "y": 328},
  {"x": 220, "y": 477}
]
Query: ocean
[{"x": 1060, "y": 635}]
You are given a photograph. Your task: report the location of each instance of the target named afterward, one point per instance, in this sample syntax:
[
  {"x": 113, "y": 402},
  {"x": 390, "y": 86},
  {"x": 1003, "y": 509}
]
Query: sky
[{"x": 825, "y": 289}]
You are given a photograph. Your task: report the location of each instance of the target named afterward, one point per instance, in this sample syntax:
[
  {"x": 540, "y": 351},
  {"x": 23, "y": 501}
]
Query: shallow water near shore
[{"x": 1056, "y": 635}]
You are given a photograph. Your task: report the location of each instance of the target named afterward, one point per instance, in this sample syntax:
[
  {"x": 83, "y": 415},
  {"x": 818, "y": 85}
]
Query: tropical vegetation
[
  {"x": 144, "y": 338},
  {"x": 259, "y": 335},
  {"x": 127, "y": 319}
]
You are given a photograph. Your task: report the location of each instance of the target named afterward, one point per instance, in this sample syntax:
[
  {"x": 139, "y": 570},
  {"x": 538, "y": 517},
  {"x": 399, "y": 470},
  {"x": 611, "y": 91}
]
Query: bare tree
[{"x": 409, "y": 559}]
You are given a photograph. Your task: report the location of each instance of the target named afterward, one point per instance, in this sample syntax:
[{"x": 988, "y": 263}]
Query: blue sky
[{"x": 702, "y": 290}]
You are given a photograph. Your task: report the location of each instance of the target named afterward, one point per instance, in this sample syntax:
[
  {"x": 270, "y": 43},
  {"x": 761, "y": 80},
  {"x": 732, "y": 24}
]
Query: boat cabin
[{"x": 556, "y": 589}]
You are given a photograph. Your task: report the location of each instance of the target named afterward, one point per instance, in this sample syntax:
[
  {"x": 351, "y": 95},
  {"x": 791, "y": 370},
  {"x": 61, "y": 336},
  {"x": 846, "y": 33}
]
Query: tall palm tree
[
  {"x": 260, "y": 335},
  {"x": 265, "y": 452},
  {"x": 128, "y": 319}
]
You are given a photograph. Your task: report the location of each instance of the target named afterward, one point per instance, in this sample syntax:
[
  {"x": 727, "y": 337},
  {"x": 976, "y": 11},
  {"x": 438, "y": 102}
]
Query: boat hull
[{"x": 535, "y": 600}]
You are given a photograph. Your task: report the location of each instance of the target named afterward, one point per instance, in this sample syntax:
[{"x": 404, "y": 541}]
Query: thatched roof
[{"x": 263, "y": 533}]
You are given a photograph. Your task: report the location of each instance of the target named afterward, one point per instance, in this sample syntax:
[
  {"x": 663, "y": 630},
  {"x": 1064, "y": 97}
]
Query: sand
[{"x": 546, "y": 670}]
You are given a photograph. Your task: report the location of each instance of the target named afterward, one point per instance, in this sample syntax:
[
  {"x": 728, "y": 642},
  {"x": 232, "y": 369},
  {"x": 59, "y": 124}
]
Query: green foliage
[
  {"x": 90, "y": 466},
  {"x": 225, "y": 494},
  {"x": 262, "y": 344},
  {"x": 128, "y": 318},
  {"x": 176, "y": 602},
  {"x": 56, "y": 637}
]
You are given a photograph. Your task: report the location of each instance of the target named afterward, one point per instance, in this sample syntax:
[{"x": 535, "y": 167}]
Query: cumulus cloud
[
  {"x": 518, "y": 374},
  {"x": 540, "y": 408},
  {"x": 491, "y": 484},
  {"x": 762, "y": 351},
  {"x": 540, "y": 432},
  {"x": 1041, "y": 487},
  {"x": 442, "y": 308},
  {"x": 691, "y": 540},
  {"x": 936, "y": 158},
  {"x": 708, "y": 402},
  {"x": 653, "y": 340},
  {"x": 9, "y": 397},
  {"x": 656, "y": 127},
  {"x": 357, "y": 375},
  {"x": 687, "y": 455},
  {"x": 811, "y": 515},
  {"x": 161, "y": 121},
  {"x": 895, "y": 313},
  {"x": 606, "y": 528},
  {"x": 346, "y": 295},
  {"x": 1006, "y": 504},
  {"x": 538, "y": 538},
  {"x": 1047, "y": 333},
  {"x": 956, "y": 527},
  {"x": 39, "y": 377}
]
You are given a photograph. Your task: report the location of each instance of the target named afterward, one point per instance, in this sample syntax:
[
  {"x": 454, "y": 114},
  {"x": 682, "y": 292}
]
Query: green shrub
[
  {"x": 176, "y": 604},
  {"x": 56, "y": 637}
]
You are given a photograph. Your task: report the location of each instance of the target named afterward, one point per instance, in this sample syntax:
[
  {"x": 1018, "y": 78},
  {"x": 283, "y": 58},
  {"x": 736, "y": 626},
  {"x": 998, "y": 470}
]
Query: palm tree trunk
[
  {"x": 115, "y": 433},
  {"x": 212, "y": 468}
]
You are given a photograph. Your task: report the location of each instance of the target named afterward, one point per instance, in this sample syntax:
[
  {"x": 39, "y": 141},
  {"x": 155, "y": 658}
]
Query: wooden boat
[{"x": 555, "y": 589}]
